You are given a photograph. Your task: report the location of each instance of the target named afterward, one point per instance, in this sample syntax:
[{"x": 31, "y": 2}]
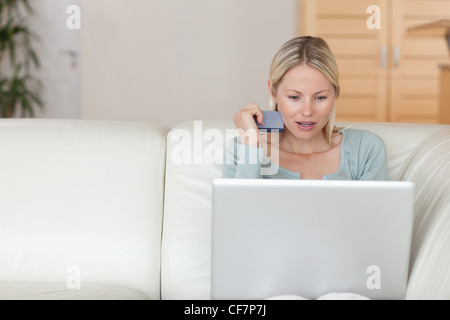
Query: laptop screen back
[{"x": 310, "y": 237}]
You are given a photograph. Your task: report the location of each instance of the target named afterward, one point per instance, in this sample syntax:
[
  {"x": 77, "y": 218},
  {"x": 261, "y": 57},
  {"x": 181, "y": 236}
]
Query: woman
[{"x": 303, "y": 87}]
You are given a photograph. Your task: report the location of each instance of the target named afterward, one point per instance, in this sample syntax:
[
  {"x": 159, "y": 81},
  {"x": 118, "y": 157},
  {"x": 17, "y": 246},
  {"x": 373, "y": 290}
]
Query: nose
[{"x": 306, "y": 109}]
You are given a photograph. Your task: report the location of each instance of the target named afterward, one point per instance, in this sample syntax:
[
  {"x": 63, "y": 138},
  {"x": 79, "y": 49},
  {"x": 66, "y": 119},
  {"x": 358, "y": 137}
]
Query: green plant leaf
[{"x": 19, "y": 91}]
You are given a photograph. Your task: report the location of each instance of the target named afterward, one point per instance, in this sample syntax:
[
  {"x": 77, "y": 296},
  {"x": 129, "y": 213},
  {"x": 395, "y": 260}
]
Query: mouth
[{"x": 305, "y": 125}]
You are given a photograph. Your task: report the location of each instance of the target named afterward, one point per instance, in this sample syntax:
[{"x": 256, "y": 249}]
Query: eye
[
  {"x": 321, "y": 98},
  {"x": 294, "y": 98}
]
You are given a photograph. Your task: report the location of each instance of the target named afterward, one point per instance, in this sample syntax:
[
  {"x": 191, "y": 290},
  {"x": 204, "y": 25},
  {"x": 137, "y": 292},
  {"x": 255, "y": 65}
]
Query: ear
[{"x": 270, "y": 91}]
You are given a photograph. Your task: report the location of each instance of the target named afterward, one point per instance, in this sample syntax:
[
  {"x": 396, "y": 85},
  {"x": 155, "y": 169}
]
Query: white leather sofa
[{"x": 121, "y": 210}]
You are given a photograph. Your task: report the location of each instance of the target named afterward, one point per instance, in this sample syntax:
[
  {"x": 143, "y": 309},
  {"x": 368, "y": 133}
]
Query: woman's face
[{"x": 305, "y": 100}]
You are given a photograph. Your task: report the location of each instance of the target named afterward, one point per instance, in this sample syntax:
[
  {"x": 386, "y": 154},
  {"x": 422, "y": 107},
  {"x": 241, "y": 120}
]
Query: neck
[{"x": 291, "y": 143}]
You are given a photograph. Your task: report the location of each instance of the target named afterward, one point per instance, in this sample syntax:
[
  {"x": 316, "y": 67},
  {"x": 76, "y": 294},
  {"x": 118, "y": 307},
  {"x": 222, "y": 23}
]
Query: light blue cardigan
[{"x": 363, "y": 157}]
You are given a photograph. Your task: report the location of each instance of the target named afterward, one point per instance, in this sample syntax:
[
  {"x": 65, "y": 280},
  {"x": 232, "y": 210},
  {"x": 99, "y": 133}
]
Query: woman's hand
[{"x": 245, "y": 123}]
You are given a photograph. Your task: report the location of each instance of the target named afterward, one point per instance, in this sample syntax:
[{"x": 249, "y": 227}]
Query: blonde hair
[{"x": 311, "y": 51}]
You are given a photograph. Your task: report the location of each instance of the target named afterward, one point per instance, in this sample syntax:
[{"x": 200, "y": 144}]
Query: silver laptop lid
[{"x": 310, "y": 237}]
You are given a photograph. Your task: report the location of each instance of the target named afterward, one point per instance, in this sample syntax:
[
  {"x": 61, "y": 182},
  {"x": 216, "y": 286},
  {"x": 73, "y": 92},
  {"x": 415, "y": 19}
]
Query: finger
[
  {"x": 257, "y": 114},
  {"x": 260, "y": 117}
]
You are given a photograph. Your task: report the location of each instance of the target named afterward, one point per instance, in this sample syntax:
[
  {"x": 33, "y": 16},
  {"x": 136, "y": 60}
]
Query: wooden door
[
  {"x": 361, "y": 53},
  {"x": 415, "y": 74}
]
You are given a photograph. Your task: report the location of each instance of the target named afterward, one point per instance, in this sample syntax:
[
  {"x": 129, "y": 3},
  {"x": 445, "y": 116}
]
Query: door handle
[
  {"x": 396, "y": 56},
  {"x": 383, "y": 57}
]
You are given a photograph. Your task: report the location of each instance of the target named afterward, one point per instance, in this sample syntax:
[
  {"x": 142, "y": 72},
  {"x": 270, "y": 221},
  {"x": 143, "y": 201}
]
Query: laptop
[{"x": 310, "y": 237}]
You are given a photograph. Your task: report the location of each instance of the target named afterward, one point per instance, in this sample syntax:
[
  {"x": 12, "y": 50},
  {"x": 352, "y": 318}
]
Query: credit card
[{"x": 272, "y": 122}]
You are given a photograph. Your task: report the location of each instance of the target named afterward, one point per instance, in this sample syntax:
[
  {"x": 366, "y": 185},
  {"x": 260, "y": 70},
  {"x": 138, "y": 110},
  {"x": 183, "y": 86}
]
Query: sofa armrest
[{"x": 429, "y": 168}]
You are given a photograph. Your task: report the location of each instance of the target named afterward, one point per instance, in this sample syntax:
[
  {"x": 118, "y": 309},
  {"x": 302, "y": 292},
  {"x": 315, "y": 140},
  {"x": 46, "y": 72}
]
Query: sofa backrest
[
  {"x": 81, "y": 199},
  {"x": 194, "y": 155}
]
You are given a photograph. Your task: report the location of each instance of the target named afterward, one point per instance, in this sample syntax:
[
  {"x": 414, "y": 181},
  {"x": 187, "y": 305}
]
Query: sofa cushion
[
  {"x": 81, "y": 199},
  {"x": 194, "y": 156}
]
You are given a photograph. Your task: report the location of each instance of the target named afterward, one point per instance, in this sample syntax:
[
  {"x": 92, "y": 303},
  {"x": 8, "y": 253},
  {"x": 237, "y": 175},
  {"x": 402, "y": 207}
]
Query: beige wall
[{"x": 170, "y": 61}]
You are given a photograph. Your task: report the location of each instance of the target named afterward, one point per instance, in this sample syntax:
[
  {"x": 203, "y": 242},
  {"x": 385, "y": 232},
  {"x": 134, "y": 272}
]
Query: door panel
[
  {"x": 429, "y": 8},
  {"x": 415, "y": 78},
  {"x": 58, "y": 51}
]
